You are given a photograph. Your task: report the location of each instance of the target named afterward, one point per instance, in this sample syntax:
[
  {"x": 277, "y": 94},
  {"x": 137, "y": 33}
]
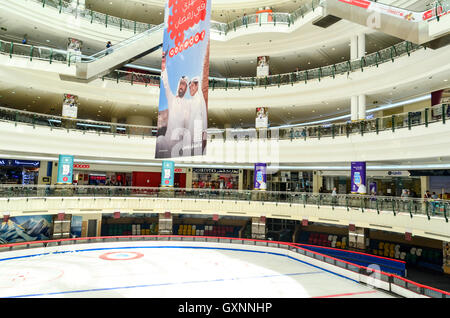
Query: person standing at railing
[
  {"x": 108, "y": 47},
  {"x": 244, "y": 19}
]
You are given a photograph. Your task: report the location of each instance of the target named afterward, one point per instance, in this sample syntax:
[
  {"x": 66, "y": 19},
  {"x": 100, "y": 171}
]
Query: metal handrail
[
  {"x": 367, "y": 203},
  {"x": 375, "y": 125}
]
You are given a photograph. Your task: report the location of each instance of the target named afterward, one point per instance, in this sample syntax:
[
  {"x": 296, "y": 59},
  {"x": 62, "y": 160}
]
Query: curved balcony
[
  {"x": 50, "y": 55},
  {"x": 428, "y": 218},
  {"x": 410, "y": 120}
]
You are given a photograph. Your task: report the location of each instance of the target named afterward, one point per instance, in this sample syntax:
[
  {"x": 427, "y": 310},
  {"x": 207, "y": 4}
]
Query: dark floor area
[{"x": 429, "y": 277}]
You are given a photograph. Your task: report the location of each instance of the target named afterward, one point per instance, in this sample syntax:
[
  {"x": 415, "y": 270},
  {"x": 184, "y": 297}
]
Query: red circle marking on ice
[{"x": 107, "y": 257}]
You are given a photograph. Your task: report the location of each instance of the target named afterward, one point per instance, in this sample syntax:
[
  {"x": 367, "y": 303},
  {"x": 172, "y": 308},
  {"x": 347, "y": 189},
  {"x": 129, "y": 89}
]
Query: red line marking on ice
[{"x": 347, "y": 294}]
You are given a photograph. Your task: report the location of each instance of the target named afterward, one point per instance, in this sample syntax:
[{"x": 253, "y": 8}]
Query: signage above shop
[
  {"x": 213, "y": 170},
  {"x": 19, "y": 163},
  {"x": 81, "y": 166}
]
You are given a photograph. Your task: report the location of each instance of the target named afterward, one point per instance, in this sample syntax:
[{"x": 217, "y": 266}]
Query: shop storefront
[
  {"x": 19, "y": 171},
  {"x": 385, "y": 183},
  {"x": 210, "y": 178},
  {"x": 86, "y": 174}
]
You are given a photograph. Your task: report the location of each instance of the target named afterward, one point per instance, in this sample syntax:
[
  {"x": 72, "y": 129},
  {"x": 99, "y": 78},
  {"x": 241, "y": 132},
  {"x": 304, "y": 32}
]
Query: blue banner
[
  {"x": 65, "y": 169},
  {"x": 358, "y": 176},
  {"x": 19, "y": 163},
  {"x": 183, "y": 99},
  {"x": 260, "y": 176},
  {"x": 167, "y": 173}
]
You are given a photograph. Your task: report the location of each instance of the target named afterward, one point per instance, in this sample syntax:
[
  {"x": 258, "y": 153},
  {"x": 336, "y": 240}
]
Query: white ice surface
[{"x": 168, "y": 273}]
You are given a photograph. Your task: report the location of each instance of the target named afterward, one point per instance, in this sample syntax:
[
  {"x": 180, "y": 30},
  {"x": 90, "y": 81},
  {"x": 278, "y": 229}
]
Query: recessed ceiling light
[
  {"x": 13, "y": 92},
  {"x": 446, "y": 80},
  {"x": 47, "y": 41},
  {"x": 338, "y": 108},
  {"x": 313, "y": 111}
]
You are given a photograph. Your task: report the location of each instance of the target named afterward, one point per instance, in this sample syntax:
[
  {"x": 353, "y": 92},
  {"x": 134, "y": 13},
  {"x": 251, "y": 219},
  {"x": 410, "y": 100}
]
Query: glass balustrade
[
  {"x": 71, "y": 8},
  {"x": 370, "y": 60},
  {"x": 363, "y": 203},
  {"x": 438, "y": 113}
]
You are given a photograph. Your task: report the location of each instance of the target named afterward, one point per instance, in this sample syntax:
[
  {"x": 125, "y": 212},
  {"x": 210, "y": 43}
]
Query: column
[
  {"x": 259, "y": 228},
  {"x": 241, "y": 179},
  {"x": 424, "y": 185},
  {"x": 357, "y": 237},
  {"x": 317, "y": 181},
  {"x": 54, "y": 172},
  {"x": 361, "y": 45},
  {"x": 189, "y": 178},
  {"x": 362, "y": 107},
  {"x": 44, "y": 171},
  {"x": 354, "y": 108},
  {"x": 165, "y": 223},
  {"x": 354, "y": 47}
]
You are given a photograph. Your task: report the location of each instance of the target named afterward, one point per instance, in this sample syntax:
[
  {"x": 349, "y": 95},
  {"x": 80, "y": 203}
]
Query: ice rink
[{"x": 167, "y": 270}]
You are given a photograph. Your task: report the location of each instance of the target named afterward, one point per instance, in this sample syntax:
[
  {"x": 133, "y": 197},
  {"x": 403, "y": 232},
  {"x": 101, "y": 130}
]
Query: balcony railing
[
  {"x": 365, "y": 203},
  {"x": 372, "y": 60},
  {"x": 409, "y": 120},
  {"x": 378, "y": 278},
  {"x": 71, "y": 8}
]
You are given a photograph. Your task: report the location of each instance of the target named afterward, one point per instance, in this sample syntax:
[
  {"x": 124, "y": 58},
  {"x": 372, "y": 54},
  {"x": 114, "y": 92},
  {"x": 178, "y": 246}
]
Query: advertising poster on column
[
  {"x": 260, "y": 176},
  {"x": 167, "y": 173},
  {"x": 65, "y": 169},
  {"x": 262, "y": 117},
  {"x": 262, "y": 66},
  {"x": 74, "y": 50},
  {"x": 358, "y": 176},
  {"x": 183, "y": 99},
  {"x": 70, "y": 106}
]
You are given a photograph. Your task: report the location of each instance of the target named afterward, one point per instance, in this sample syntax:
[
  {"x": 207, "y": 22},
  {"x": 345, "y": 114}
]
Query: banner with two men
[{"x": 183, "y": 101}]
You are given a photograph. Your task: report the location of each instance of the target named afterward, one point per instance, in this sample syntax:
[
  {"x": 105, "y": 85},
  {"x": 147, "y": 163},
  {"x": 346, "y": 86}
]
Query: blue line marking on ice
[{"x": 162, "y": 284}]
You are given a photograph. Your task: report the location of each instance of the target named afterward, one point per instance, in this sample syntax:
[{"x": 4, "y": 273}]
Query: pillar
[
  {"x": 189, "y": 178},
  {"x": 361, "y": 45},
  {"x": 259, "y": 228},
  {"x": 241, "y": 179},
  {"x": 165, "y": 223},
  {"x": 424, "y": 185},
  {"x": 446, "y": 257},
  {"x": 317, "y": 181},
  {"x": 54, "y": 172},
  {"x": 357, "y": 237},
  {"x": 354, "y": 108},
  {"x": 362, "y": 107},
  {"x": 354, "y": 47},
  {"x": 45, "y": 170}
]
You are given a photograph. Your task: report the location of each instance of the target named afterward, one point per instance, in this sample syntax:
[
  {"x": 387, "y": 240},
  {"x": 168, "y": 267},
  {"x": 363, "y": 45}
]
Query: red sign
[
  {"x": 359, "y": 3},
  {"x": 408, "y": 236},
  {"x": 61, "y": 216},
  {"x": 215, "y": 217},
  {"x": 305, "y": 222},
  {"x": 178, "y": 170},
  {"x": 5, "y": 218},
  {"x": 185, "y": 14},
  {"x": 65, "y": 179},
  {"x": 81, "y": 166},
  {"x": 167, "y": 215},
  {"x": 262, "y": 219},
  {"x": 117, "y": 215},
  {"x": 352, "y": 227}
]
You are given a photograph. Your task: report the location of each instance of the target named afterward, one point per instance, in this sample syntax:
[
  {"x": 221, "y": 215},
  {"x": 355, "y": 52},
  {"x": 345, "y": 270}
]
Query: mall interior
[{"x": 338, "y": 82}]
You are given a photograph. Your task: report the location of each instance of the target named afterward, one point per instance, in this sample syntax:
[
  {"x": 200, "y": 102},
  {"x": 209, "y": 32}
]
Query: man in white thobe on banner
[
  {"x": 176, "y": 136},
  {"x": 198, "y": 122}
]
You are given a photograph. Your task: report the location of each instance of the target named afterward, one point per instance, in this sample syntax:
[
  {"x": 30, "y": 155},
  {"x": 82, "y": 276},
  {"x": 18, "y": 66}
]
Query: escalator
[
  {"x": 120, "y": 54},
  {"x": 431, "y": 27}
]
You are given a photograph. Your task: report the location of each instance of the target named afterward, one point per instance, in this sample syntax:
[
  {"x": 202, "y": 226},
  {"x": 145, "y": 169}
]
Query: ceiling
[{"x": 152, "y": 11}]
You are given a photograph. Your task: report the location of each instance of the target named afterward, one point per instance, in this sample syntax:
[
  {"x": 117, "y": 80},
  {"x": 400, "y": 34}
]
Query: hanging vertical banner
[
  {"x": 260, "y": 176},
  {"x": 373, "y": 188},
  {"x": 70, "y": 106},
  {"x": 65, "y": 169},
  {"x": 358, "y": 176},
  {"x": 262, "y": 117},
  {"x": 74, "y": 50},
  {"x": 262, "y": 66},
  {"x": 183, "y": 98},
  {"x": 167, "y": 173}
]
